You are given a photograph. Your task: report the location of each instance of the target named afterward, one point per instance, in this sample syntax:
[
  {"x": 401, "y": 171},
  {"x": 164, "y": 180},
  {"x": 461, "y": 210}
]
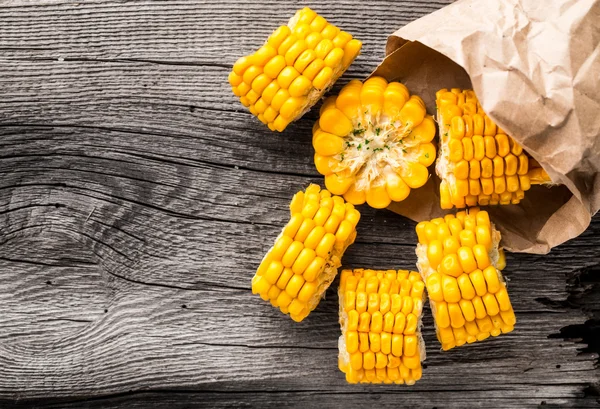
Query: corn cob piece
[
  {"x": 478, "y": 163},
  {"x": 380, "y": 317},
  {"x": 303, "y": 262},
  {"x": 373, "y": 142},
  {"x": 460, "y": 261},
  {"x": 299, "y": 62}
]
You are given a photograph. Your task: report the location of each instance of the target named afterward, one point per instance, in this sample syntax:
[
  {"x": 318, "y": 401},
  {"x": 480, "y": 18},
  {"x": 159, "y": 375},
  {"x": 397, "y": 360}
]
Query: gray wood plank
[{"x": 137, "y": 197}]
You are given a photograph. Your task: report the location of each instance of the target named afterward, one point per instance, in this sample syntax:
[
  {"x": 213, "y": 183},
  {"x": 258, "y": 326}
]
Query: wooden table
[{"x": 138, "y": 197}]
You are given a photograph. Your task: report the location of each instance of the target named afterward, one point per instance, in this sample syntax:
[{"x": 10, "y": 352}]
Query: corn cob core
[
  {"x": 373, "y": 142},
  {"x": 380, "y": 317},
  {"x": 301, "y": 265},
  {"x": 459, "y": 259},
  {"x": 478, "y": 163},
  {"x": 296, "y": 66}
]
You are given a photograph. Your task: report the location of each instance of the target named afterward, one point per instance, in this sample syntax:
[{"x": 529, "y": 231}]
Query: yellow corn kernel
[
  {"x": 304, "y": 259},
  {"x": 241, "y": 65},
  {"x": 489, "y": 126},
  {"x": 378, "y": 197},
  {"x": 481, "y": 256},
  {"x": 351, "y": 51},
  {"x": 478, "y": 124},
  {"x": 374, "y": 342},
  {"x": 407, "y": 305},
  {"x": 364, "y": 322},
  {"x": 435, "y": 253},
  {"x": 341, "y": 39},
  {"x": 314, "y": 269},
  {"x": 451, "y": 246},
  {"x": 394, "y": 98},
  {"x": 368, "y": 360},
  {"x": 467, "y": 238},
  {"x": 304, "y": 230},
  {"x": 352, "y": 341},
  {"x": 284, "y": 299},
  {"x": 484, "y": 324},
  {"x": 503, "y": 147},
  {"x": 503, "y": 300},
  {"x": 523, "y": 166},
  {"x": 425, "y": 131},
  {"x": 456, "y": 150},
  {"x": 487, "y": 168},
  {"x": 512, "y": 164},
  {"x": 499, "y": 185},
  {"x": 456, "y": 317},
  {"x": 498, "y": 166},
  {"x": 278, "y": 36},
  {"x": 373, "y": 302},
  {"x": 399, "y": 323},
  {"x": 461, "y": 169},
  {"x": 467, "y": 259},
  {"x": 450, "y": 110},
  {"x": 234, "y": 81},
  {"x": 388, "y": 322},
  {"x": 450, "y": 265},
  {"x": 450, "y": 289},
  {"x": 290, "y": 231},
  {"x": 434, "y": 287},
  {"x": 294, "y": 285},
  {"x": 445, "y": 334},
  {"x": 491, "y": 305},
  {"x": 478, "y": 147},
  {"x": 376, "y": 322},
  {"x": 414, "y": 175},
  {"x": 273, "y": 272},
  {"x": 457, "y": 127},
  {"x": 490, "y": 146},
  {"x": 468, "y": 121},
  {"x": 334, "y": 121},
  {"x": 478, "y": 281},
  {"x": 468, "y": 311},
  {"x": 467, "y": 148},
  {"x": 263, "y": 55},
  {"x": 284, "y": 278},
  {"x": 286, "y": 76},
  {"x": 474, "y": 170},
  {"x": 385, "y": 343},
  {"x": 442, "y": 317},
  {"x": 397, "y": 344},
  {"x": 286, "y": 44},
  {"x": 349, "y": 301},
  {"x": 294, "y": 51},
  {"x": 483, "y": 237},
  {"x": 479, "y": 307}
]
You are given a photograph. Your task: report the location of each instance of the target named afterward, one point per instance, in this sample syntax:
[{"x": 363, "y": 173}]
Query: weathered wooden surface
[{"x": 137, "y": 198}]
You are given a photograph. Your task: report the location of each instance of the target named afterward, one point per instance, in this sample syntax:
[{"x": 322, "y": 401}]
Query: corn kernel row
[
  {"x": 373, "y": 142},
  {"x": 478, "y": 163},
  {"x": 304, "y": 260},
  {"x": 380, "y": 315},
  {"x": 298, "y": 63},
  {"x": 460, "y": 262}
]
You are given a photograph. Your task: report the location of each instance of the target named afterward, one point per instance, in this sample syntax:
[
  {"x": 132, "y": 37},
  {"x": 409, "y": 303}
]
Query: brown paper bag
[{"x": 535, "y": 67}]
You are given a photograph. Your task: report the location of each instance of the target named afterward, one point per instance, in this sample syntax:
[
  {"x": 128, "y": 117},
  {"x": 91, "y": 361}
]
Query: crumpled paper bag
[{"x": 535, "y": 67}]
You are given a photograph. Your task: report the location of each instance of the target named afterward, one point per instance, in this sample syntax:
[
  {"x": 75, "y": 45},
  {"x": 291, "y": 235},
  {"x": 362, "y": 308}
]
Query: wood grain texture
[{"x": 137, "y": 197}]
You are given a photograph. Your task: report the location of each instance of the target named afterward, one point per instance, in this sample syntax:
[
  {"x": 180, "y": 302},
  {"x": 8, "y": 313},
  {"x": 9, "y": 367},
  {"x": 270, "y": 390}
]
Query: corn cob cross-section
[
  {"x": 380, "y": 317},
  {"x": 297, "y": 270},
  {"x": 478, "y": 163},
  {"x": 373, "y": 142},
  {"x": 299, "y": 62},
  {"x": 459, "y": 259}
]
